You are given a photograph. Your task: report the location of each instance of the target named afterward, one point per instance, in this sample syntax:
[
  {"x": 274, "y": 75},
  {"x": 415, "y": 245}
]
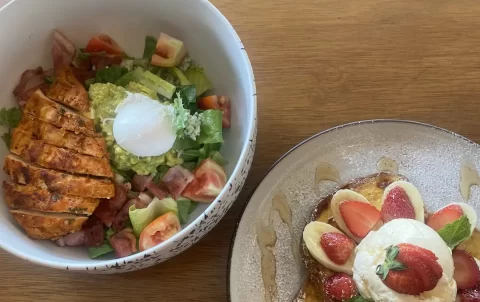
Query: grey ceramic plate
[{"x": 430, "y": 157}]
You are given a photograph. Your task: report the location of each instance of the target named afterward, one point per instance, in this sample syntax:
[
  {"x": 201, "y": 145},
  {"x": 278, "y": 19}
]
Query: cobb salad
[{"x": 156, "y": 131}]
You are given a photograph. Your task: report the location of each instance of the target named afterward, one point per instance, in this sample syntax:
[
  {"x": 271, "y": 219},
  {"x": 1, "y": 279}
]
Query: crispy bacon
[
  {"x": 30, "y": 81},
  {"x": 158, "y": 190},
  {"x": 63, "y": 50},
  {"x": 108, "y": 208},
  {"x": 91, "y": 234},
  {"x": 140, "y": 182},
  {"x": 124, "y": 243},
  {"x": 176, "y": 179}
]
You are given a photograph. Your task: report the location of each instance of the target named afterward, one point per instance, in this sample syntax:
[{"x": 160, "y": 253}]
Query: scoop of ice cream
[{"x": 372, "y": 251}]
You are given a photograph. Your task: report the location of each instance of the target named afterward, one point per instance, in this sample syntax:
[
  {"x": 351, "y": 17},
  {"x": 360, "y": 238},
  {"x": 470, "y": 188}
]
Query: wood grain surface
[{"x": 318, "y": 64}]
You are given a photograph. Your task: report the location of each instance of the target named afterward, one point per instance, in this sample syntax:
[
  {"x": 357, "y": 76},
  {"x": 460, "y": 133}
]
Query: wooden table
[{"x": 318, "y": 64}]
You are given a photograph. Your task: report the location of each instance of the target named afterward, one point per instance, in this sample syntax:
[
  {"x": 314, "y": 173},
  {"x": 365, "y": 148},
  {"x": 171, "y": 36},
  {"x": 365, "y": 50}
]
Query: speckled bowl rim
[
  {"x": 358, "y": 123},
  {"x": 185, "y": 231}
]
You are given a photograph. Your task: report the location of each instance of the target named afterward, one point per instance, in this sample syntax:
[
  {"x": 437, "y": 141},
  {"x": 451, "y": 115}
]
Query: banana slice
[{"x": 312, "y": 235}]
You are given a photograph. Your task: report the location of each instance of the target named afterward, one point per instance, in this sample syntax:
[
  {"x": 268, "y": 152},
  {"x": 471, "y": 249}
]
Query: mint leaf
[{"x": 455, "y": 232}]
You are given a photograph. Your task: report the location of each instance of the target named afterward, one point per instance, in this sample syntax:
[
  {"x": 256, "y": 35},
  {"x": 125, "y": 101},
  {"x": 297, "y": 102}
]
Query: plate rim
[{"x": 267, "y": 173}]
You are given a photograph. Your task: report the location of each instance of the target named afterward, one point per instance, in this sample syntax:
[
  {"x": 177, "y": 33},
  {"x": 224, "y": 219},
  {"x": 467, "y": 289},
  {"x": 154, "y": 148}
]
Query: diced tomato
[
  {"x": 159, "y": 230},
  {"x": 219, "y": 103},
  {"x": 103, "y": 43},
  {"x": 210, "y": 178}
]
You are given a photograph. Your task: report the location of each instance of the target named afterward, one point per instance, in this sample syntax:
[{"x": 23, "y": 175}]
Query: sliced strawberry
[
  {"x": 340, "y": 287},
  {"x": 337, "y": 246},
  {"x": 360, "y": 217},
  {"x": 469, "y": 295},
  {"x": 410, "y": 269},
  {"x": 466, "y": 272},
  {"x": 397, "y": 204},
  {"x": 444, "y": 216},
  {"x": 405, "y": 282},
  {"x": 423, "y": 261}
]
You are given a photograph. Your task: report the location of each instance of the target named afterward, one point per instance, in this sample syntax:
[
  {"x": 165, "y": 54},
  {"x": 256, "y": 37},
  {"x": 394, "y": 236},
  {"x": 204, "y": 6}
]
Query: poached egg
[{"x": 143, "y": 126}]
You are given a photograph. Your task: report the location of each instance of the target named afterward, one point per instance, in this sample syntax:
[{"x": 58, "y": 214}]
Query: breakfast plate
[{"x": 268, "y": 250}]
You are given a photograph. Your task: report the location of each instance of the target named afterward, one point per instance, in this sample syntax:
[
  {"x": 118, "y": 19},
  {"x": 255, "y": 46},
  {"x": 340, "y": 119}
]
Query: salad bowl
[{"x": 210, "y": 40}]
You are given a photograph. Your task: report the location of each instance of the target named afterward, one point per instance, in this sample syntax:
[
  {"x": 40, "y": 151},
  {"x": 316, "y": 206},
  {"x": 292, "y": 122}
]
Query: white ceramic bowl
[{"x": 25, "y": 39}]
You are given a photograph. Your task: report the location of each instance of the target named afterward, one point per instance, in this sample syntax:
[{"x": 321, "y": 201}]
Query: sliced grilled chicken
[
  {"x": 48, "y": 156},
  {"x": 53, "y": 113},
  {"x": 27, "y": 197},
  {"x": 94, "y": 146},
  {"x": 68, "y": 90},
  {"x": 41, "y": 225},
  {"x": 63, "y": 183}
]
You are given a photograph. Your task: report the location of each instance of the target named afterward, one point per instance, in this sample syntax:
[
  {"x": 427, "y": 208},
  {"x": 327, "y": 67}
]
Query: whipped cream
[{"x": 371, "y": 252}]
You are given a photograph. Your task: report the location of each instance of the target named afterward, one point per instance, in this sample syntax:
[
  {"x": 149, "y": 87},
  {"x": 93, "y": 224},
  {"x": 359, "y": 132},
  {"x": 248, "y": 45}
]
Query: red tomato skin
[
  {"x": 210, "y": 178},
  {"x": 103, "y": 43}
]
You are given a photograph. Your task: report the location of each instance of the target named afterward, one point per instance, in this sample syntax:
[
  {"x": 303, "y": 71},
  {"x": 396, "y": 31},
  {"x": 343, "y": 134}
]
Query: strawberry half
[
  {"x": 397, "y": 204},
  {"x": 466, "y": 272},
  {"x": 340, "y": 287},
  {"x": 337, "y": 246},
  {"x": 410, "y": 269},
  {"x": 360, "y": 217},
  {"x": 444, "y": 216}
]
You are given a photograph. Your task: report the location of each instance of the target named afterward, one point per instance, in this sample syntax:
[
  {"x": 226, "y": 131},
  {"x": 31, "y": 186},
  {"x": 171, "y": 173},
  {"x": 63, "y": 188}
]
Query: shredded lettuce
[
  {"x": 150, "y": 47},
  {"x": 196, "y": 76},
  {"x": 193, "y": 206},
  {"x": 211, "y": 127},
  {"x": 183, "y": 206},
  {"x": 97, "y": 251},
  {"x": 140, "y": 218},
  {"x": 156, "y": 83},
  {"x": 133, "y": 76},
  {"x": 127, "y": 63},
  {"x": 110, "y": 74},
  {"x": 186, "y": 124},
  {"x": 181, "y": 77}
]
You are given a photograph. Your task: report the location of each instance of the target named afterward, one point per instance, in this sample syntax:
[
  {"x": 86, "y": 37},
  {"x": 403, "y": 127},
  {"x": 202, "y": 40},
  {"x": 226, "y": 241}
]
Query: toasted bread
[
  {"x": 53, "y": 113},
  {"x": 40, "y": 225},
  {"x": 372, "y": 188},
  {"x": 48, "y": 156},
  {"x": 94, "y": 146},
  {"x": 27, "y": 197},
  {"x": 63, "y": 183},
  {"x": 68, "y": 90}
]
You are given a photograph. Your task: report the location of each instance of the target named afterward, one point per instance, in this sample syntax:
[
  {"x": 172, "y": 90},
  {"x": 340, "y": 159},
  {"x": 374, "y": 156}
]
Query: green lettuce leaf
[
  {"x": 193, "y": 206},
  {"x": 140, "y": 218},
  {"x": 190, "y": 155},
  {"x": 185, "y": 143},
  {"x": 180, "y": 76},
  {"x": 150, "y": 47},
  {"x": 196, "y": 76},
  {"x": 456, "y": 232},
  {"x": 183, "y": 205},
  {"x": 7, "y": 138},
  {"x": 110, "y": 74},
  {"x": 218, "y": 158},
  {"x": 190, "y": 165},
  {"x": 97, "y": 251},
  {"x": 10, "y": 117},
  {"x": 211, "y": 127}
]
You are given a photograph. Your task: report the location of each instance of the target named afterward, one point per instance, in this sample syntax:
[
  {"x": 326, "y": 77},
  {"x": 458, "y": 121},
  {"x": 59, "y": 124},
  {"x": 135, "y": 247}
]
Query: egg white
[
  {"x": 339, "y": 197},
  {"x": 311, "y": 236},
  {"x": 412, "y": 193},
  {"x": 144, "y": 127}
]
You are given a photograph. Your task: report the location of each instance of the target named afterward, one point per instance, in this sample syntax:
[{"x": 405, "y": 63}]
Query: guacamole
[{"x": 105, "y": 99}]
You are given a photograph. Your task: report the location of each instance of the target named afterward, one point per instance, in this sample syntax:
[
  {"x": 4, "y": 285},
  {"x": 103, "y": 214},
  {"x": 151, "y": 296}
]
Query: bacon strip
[{"x": 63, "y": 50}]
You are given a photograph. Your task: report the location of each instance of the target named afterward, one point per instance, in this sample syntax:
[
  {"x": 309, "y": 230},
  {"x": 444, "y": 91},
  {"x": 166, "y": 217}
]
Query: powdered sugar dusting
[{"x": 430, "y": 158}]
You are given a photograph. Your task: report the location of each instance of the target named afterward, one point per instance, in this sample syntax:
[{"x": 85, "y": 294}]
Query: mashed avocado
[{"x": 105, "y": 99}]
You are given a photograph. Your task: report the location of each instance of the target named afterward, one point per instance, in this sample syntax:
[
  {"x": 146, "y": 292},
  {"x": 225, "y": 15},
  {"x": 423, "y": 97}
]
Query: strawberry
[
  {"x": 397, "y": 204},
  {"x": 466, "y": 272},
  {"x": 444, "y": 216},
  {"x": 410, "y": 269},
  {"x": 360, "y": 217},
  {"x": 469, "y": 295},
  {"x": 340, "y": 287},
  {"x": 337, "y": 246}
]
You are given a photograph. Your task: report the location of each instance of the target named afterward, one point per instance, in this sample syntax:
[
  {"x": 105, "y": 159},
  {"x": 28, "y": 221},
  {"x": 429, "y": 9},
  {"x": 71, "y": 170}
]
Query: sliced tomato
[
  {"x": 159, "y": 230},
  {"x": 103, "y": 43},
  {"x": 217, "y": 102},
  {"x": 210, "y": 178}
]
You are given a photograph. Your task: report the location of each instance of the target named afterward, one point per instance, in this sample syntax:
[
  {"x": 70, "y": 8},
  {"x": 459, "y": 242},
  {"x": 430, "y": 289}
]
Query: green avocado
[{"x": 105, "y": 99}]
